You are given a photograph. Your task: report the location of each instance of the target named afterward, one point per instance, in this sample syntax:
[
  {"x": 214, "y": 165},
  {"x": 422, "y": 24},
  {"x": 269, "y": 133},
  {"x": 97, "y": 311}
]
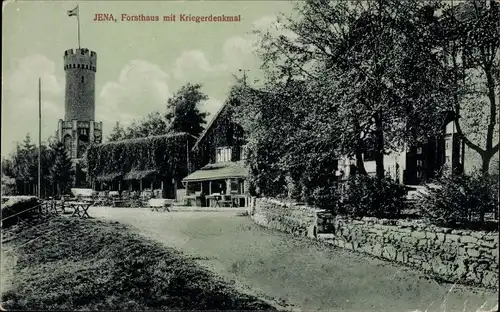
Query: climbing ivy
[{"x": 166, "y": 154}]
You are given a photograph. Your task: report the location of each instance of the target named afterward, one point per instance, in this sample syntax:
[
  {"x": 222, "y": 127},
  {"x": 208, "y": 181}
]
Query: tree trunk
[
  {"x": 485, "y": 166},
  {"x": 490, "y": 81},
  {"x": 360, "y": 164},
  {"x": 379, "y": 155}
]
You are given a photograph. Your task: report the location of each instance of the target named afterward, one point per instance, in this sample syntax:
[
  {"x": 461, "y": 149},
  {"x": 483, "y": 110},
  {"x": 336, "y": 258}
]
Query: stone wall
[
  {"x": 286, "y": 217},
  {"x": 462, "y": 256}
]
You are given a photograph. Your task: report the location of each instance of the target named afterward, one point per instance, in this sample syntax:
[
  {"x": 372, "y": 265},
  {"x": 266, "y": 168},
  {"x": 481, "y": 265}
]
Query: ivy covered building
[{"x": 155, "y": 162}]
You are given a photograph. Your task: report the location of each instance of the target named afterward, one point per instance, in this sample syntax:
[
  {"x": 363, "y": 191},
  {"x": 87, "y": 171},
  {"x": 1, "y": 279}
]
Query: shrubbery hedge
[
  {"x": 368, "y": 196},
  {"x": 165, "y": 154},
  {"x": 459, "y": 199},
  {"x": 15, "y": 204}
]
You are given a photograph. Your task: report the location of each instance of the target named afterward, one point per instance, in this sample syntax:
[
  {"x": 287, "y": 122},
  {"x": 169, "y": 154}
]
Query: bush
[
  {"x": 8, "y": 186},
  {"x": 458, "y": 199},
  {"x": 368, "y": 196},
  {"x": 15, "y": 204},
  {"x": 324, "y": 197}
]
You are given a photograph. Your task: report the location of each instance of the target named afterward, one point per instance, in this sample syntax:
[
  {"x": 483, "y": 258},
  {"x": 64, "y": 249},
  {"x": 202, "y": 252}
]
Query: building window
[
  {"x": 223, "y": 154},
  {"x": 419, "y": 150},
  {"x": 82, "y": 79},
  {"x": 419, "y": 163},
  {"x": 243, "y": 152}
]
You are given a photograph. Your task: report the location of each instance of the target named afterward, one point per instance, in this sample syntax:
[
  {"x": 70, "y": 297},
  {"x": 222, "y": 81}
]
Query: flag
[{"x": 73, "y": 12}]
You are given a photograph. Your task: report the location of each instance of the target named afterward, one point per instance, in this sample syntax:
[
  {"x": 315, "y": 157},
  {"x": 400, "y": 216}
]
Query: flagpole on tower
[
  {"x": 78, "y": 19},
  {"x": 75, "y": 12}
]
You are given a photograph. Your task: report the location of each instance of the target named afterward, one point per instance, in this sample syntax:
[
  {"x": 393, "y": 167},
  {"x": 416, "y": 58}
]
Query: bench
[{"x": 156, "y": 203}]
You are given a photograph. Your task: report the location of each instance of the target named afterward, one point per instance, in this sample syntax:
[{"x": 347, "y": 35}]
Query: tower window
[{"x": 82, "y": 79}]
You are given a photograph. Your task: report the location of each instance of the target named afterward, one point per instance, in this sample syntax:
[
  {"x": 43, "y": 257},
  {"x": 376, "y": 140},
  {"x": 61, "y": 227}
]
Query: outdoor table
[
  {"x": 216, "y": 199},
  {"x": 80, "y": 208}
]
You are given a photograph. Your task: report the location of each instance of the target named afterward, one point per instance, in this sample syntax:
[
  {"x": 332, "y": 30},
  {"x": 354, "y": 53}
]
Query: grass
[{"x": 71, "y": 264}]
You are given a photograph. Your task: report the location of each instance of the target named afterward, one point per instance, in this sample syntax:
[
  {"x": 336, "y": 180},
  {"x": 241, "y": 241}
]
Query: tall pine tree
[
  {"x": 117, "y": 134},
  {"x": 61, "y": 172}
]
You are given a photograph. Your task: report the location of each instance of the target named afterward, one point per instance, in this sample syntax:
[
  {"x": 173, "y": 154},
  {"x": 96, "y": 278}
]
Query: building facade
[
  {"x": 219, "y": 175},
  {"x": 421, "y": 163}
]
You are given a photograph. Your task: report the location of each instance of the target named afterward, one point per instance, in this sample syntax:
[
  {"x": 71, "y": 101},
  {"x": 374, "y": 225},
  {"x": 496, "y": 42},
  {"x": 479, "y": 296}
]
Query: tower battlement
[{"x": 80, "y": 59}]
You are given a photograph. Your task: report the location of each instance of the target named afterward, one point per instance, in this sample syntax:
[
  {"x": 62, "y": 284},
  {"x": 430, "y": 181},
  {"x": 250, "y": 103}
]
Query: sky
[{"x": 139, "y": 64}]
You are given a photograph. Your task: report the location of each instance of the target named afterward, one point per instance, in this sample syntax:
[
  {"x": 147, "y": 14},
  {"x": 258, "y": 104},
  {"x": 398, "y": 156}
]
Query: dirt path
[{"x": 310, "y": 277}]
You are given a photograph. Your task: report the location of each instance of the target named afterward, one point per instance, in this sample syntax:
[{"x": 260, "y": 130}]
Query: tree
[
  {"x": 183, "y": 112},
  {"x": 471, "y": 51},
  {"x": 61, "y": 172},
  {"x": 48, "y": 159},
  {"x": 361, "y": 47},
  {"x": 367, "y": 48},
  {"x": 117, "y": 134},
  {"x": 9, "y": 186},
  {"x": 153, "y": 124},
  {"x": 26, "y": 165}
]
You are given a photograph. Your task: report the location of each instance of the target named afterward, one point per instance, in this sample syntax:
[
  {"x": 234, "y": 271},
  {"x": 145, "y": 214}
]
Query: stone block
[
  {"x": 491, "y": 237},
  {"x": 461, "y": 271},
  {"x": 477, "y": 234},
  {"x": 452, "y": 238},
  {"x": 481, "y": 267},
  {"x": 462, "y": 251},
  {"x": 398, "y": 237},
  {"x": 377, "y": 249},
  {"x": 430, "y": 235},
  {"x": 390, "y": 252},
  {"x": 440, "y": 237},
  {"x": 405, "y": 230},
  {"x": 418, "y": 234},
  {"x": 472, "y": 277},
  {"x": 468, "y": 239},
  {"x": 472, "y": 252},
  {"x": 488, "y": 244},
  {"x": 490, "y": 279}
]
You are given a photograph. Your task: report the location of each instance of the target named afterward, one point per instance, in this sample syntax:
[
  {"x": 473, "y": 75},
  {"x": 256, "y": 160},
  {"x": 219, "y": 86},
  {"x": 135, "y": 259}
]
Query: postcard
[{"x": 322, "y": 155}]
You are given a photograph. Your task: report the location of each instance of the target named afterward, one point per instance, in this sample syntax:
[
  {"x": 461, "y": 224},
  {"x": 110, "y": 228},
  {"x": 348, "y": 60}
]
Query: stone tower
[{"x": 79, "y": 128}]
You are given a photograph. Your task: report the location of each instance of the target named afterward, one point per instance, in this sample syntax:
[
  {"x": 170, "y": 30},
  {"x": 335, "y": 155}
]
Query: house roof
[
  {"x": 218, "y": 171},
  {"x": 210, "y": 125},
  {"x": 216, "y": 116},
  {"x": 109, "y": 177},
  {"x": 139, "y": 174}
]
